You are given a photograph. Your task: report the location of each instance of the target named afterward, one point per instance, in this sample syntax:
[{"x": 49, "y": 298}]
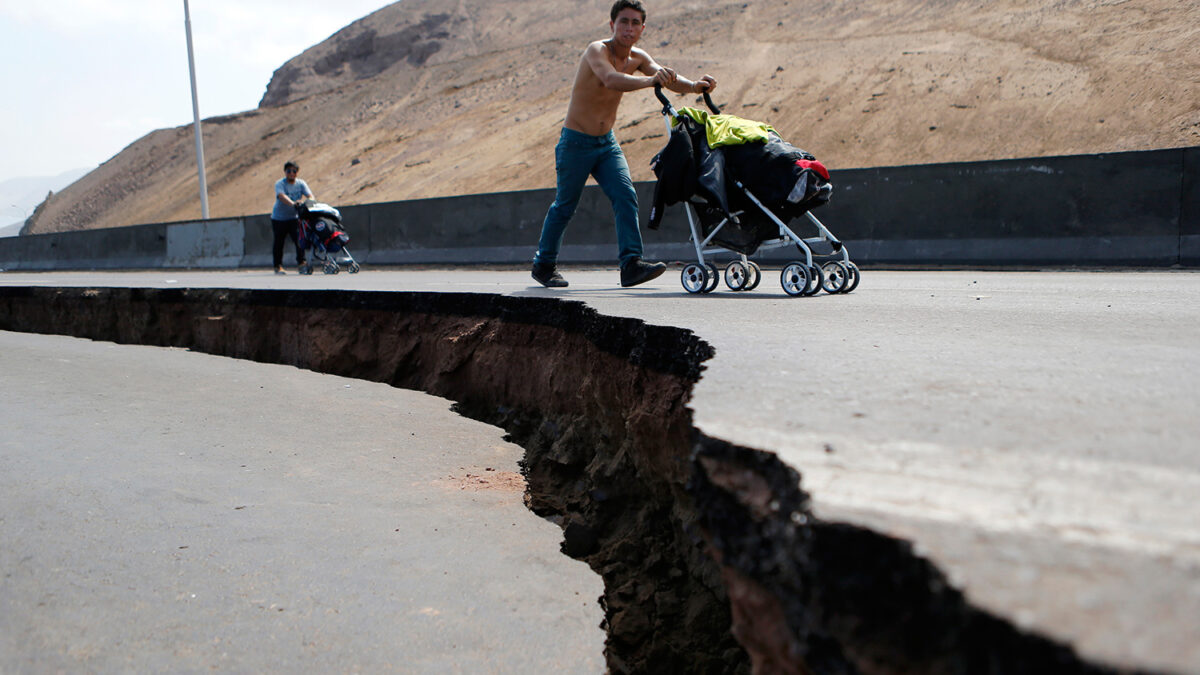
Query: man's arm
[
  {"x": 668, "y": 78},
  {"x": 596, "y": 56}
]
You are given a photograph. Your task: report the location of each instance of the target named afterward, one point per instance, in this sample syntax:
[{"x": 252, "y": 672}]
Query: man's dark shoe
[
  {"x": 638, "y": 271},
  {"x": 548, "y": 276}
]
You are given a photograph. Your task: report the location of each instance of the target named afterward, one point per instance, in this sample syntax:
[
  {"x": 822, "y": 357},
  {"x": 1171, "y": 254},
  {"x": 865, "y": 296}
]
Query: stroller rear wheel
[
  {"x": 837, "y": 276},
  {"x": 755, "y": 275},
  {"x": 694, "y": 278},
  {"x": 714, "y": 278},
  {"x": 853, "y": 278},
  {"x": 816, "y": 280},
  {"x": 795, "y": 278},
  {"x": 737, "y": 275}
]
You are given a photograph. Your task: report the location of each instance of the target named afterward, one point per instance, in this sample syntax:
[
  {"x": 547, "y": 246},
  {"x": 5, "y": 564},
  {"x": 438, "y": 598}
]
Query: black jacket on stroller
[{"x": 786, "y": 179}]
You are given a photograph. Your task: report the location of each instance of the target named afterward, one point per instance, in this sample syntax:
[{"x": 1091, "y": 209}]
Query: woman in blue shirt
[{"x": 285, "y": 222}]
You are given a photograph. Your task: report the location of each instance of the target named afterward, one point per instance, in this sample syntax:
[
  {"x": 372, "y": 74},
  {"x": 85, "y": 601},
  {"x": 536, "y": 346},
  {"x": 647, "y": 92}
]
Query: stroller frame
[
  {"x": 798, "y": 278},
  {"x": 331, "y": 263}
]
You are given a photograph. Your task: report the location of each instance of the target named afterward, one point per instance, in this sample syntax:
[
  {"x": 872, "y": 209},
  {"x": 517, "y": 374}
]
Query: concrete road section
[
  {"x": 1036, "y": 434},
  {"x": 167, "y": 511}
]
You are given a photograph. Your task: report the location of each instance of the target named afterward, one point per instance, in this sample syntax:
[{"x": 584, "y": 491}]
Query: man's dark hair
[
  {"x": 290, "y": 165},
  {"x": 626, "y": 4}
]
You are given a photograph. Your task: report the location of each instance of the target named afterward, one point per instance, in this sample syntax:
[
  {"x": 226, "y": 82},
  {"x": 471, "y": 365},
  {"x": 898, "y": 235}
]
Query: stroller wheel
[
  {"x": 795, "y": 278},
  {"x": 694, "y": 278},
  {"x": 837, "y": 277},
  {"x": 331, "y": 268},
  {"x": 354, "y": 268},
  {"x": 714, "y": 278},
  {"x": 815, "y": 281},
  {"x": 853, "y": 278},
  {"x": 737, "y": 275},
  {"x": 755, "y": 275}
]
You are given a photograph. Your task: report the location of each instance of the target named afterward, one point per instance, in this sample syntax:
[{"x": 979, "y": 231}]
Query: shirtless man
[{"x": 587, "y": 146}]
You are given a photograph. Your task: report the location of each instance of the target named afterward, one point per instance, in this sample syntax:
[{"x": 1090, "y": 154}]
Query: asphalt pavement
[
  {"x": 1036, "y": 434},
  {"x": 169, "y": 511}
]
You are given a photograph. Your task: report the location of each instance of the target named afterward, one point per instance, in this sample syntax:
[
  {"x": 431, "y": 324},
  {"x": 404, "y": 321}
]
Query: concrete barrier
[
  {"x": 492, "y": 228},
  {"x": 206, "y": 243},
  {"x": 1111, "y": 209},
  {"x": 256, "y": 242},
  {"x": 1129, "y": 208},
  {"x": 134, "y": 247},
  {"x": 1189, "y": 216}
]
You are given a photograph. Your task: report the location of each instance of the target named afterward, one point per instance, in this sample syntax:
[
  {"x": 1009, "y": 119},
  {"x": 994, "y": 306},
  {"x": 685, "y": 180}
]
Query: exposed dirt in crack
[{"x": 710, "y": 556}]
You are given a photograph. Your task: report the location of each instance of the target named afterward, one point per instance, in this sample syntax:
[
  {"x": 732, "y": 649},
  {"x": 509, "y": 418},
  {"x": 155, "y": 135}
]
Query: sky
[{"x": 83, "y": 79}]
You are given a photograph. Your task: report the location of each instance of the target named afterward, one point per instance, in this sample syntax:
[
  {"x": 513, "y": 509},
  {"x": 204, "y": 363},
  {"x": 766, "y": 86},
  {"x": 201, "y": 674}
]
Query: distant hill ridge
[
  {"x": 429, "y": 98},
  {"x": 20, "y": 196}
]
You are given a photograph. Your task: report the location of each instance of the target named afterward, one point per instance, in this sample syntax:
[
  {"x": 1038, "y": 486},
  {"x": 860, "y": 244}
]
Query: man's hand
[
  {"x": 705, "y": 84},
  {"x": 665, "y": 76}
]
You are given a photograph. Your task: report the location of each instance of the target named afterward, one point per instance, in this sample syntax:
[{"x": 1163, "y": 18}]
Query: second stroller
[{"x": 321, "y": 233}]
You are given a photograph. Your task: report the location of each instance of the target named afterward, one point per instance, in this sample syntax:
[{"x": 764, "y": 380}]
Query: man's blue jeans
[{"x": 577, "y": 156}]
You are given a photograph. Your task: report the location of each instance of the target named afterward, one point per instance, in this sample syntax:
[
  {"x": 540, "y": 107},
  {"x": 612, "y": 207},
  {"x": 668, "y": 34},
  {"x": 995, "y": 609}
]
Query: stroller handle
[{"x": 668, "y": 109}]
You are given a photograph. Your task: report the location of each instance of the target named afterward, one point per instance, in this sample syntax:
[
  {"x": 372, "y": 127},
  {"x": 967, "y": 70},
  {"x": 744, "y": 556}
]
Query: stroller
[
  {"x": 740, "y": 196},
  {"x": 320, "y": 232}
]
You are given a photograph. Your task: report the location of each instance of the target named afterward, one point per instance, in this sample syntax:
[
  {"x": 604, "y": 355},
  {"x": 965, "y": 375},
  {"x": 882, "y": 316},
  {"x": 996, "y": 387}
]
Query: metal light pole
[{"x": 187, "y": 24}]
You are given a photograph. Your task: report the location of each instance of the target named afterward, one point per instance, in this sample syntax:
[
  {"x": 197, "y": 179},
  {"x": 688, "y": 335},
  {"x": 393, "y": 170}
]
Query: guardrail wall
[{"x": 1123, "y": 209}]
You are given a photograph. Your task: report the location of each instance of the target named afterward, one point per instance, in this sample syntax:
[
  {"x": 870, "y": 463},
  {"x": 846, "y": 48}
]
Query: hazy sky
[{"x": 82, "y": 79}]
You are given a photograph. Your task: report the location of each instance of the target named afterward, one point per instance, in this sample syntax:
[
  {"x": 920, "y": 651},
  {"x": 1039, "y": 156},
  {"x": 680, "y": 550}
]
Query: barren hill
[{"x": 429, "y": 98}]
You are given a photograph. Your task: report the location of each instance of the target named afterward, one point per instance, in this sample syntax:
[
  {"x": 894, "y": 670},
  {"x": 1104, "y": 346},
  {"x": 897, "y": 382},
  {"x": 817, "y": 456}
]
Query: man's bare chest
[
  {"x": 622, "y": 63},
  {"x": 627, "y": 65}
]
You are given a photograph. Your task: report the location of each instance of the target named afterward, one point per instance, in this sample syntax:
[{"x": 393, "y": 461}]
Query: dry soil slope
[{"x": 431, "y": 98}]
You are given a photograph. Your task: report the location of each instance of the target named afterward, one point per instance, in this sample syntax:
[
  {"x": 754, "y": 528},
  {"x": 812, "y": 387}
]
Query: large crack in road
[{"x": 712, "y": 560}]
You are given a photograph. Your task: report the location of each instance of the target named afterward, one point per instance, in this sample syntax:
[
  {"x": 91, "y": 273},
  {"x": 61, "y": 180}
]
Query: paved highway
[
  {"x": 168, "y": 511},
  {"x": 1036, "y": 434}
]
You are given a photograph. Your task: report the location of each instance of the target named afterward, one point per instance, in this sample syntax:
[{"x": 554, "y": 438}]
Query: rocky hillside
[{"x": 430, "y": 98}]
